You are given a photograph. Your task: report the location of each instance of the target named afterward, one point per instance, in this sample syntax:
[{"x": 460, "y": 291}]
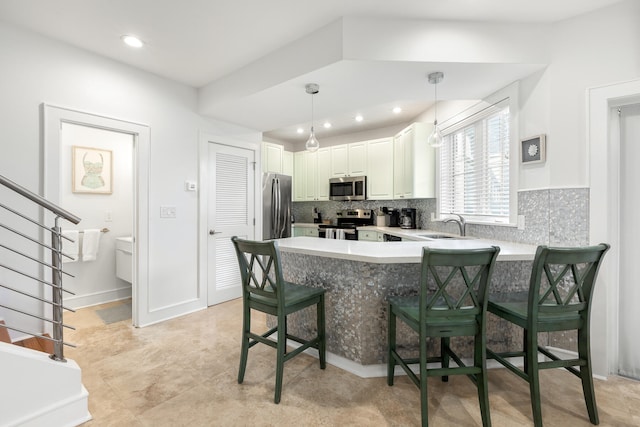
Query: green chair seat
[
  {"x": 559, "y": 299},
  {"x": 264, "y": 289},
  {"x": 517, "y": 312},
  {"x": 452, "y": 303},
  {"x": 408, "y": 309},
  {"x": 294, "y": 295}
]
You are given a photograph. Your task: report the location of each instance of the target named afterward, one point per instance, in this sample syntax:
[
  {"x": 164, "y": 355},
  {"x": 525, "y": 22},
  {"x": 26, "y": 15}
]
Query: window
[{"x": 474, "y": 166}]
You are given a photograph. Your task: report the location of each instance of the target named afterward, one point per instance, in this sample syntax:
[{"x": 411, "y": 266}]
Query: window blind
[{"x": 474, "y": 167}]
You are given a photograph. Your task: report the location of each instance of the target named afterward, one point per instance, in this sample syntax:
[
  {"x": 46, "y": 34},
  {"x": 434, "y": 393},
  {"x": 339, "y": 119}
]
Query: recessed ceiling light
[
  {"x": 132, "y": 41},
  {"x": 397, "y": 110},
  {"x": 359, "y": 118},
  {"x": 299, "y": 130},
  {"x": 327, "y": 125}
]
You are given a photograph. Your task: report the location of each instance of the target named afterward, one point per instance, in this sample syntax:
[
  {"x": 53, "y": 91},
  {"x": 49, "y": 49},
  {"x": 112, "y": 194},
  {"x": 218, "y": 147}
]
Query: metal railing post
[{"x": 56, "y": 279}]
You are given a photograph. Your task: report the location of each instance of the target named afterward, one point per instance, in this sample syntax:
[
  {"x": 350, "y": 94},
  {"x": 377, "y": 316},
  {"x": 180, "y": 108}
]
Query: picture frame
[
  {"x": 533, "y": 150},
  {"x": 92, "y": 170}
]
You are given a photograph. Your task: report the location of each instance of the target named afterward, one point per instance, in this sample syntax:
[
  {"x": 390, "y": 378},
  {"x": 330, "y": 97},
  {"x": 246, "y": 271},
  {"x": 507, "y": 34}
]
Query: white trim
[
  {"x": 380, "y": 369},
  {"x": 507, "y": 96},
  {"x": 96, "y": 298},
  {"x": 603, "y": 172},
  {"x": 52, "y": 117}
]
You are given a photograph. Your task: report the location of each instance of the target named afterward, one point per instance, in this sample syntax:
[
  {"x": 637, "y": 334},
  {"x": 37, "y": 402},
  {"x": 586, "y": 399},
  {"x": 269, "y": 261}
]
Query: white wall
[
  {"x": 36, "y": 70},
  {"x": 591, "y": 50}
]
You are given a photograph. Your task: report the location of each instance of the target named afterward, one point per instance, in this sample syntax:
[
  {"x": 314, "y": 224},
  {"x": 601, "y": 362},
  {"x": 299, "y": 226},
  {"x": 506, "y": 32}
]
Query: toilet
[{"x": 124, "y": 258}]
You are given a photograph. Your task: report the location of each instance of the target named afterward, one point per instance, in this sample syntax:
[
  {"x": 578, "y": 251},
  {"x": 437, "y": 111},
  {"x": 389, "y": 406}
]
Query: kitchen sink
[{"x": 438, "y": 236}]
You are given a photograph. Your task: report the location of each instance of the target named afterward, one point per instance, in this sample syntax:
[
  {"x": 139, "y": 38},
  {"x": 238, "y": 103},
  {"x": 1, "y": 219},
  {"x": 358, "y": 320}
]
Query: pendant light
[
  {"x": 312, "y": 143},
  {"x": 435, "y": 138}
]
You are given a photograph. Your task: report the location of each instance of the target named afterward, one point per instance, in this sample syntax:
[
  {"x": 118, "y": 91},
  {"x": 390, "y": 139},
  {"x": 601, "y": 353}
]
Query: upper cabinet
[
  {"x": 272, "y": 156},
  {"x": 298, "y": 176},
  {"x": 413, "y": 164},
  {"x": 380, "y": 169},
  {"x": 287, "y": 163},
  {"x": 311, "y": 175},
  {"x": 400, "y": 167},
  {"x": 349, "y": 159}
]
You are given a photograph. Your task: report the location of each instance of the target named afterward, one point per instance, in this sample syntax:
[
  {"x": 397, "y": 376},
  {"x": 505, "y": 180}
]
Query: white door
[
  {"x": 629, "y": 291},
  {"x": 231, "y": 212}
]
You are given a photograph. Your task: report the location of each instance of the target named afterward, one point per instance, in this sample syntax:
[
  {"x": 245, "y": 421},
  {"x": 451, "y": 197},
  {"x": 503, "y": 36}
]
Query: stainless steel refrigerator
[{"x": 276, "y": 206}]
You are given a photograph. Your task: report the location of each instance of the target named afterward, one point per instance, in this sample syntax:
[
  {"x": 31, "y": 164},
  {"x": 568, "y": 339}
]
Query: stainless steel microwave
[{"x": 348, "y": 188}]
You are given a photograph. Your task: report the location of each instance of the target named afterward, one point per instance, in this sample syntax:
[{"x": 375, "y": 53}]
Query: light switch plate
[
  {"x": 167, "y": 211},
  {"x": 190, "y": 186}
]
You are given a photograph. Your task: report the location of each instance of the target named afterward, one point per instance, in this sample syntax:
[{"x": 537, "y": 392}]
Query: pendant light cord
[{"x": 435, "y": 107}]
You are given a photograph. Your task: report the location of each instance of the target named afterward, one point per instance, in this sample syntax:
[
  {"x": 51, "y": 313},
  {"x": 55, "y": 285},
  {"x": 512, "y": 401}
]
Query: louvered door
[{"x": 230, "y": 213}]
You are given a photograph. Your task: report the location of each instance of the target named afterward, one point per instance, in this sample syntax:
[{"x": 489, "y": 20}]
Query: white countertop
[{"x": 397, "y": 252}]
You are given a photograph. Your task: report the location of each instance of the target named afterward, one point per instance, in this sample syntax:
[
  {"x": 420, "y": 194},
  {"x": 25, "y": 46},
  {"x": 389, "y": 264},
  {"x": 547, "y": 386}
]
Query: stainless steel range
[{"x": 347, "y": 222}]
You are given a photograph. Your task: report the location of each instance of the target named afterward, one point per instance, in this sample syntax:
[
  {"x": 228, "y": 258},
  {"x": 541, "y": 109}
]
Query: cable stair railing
[{"x": 19, "y": 238}]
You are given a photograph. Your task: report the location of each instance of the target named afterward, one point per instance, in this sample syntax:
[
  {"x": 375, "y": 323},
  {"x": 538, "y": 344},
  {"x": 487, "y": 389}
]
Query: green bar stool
[
  {"x": 264, "y": 289},
  {"x": 452, "y": 303},
  {"x": 559, "y": 299}
]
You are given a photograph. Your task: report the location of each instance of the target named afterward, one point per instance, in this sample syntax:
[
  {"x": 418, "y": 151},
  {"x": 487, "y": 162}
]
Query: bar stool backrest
[
  {"x": 562, "y": 280},
  {"x": 455, "y": 283},
  {"x": 260, "y": 269}
]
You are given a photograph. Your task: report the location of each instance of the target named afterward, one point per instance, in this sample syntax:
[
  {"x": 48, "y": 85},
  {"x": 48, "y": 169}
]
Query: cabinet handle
[{"x": 212, "y": 232}]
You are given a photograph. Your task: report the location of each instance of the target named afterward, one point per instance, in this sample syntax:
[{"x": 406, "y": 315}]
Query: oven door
[{"x": 351, "y": 234}]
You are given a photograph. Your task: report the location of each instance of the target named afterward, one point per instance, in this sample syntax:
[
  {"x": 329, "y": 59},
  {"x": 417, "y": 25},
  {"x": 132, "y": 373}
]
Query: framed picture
[
  {"x": 533, "y": 150},
  {"x": 92, "y": 170}
]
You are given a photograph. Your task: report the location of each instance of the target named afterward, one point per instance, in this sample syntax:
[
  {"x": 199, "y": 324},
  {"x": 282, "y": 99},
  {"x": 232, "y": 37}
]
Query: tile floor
[{"x": 182, "y": 372}]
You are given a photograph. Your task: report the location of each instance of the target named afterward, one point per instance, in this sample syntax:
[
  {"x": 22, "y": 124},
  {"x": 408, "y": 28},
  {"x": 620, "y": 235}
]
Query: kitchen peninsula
[{"x": 359, "y": 276}]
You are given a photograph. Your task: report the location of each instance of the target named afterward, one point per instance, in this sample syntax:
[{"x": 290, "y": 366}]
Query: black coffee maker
[
  {"x": 394, "y": 216},
  {"x": 407, "y": 218}
]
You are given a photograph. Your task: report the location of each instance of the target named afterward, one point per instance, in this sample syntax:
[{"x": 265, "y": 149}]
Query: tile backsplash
[{"x": 552, "y": 216}]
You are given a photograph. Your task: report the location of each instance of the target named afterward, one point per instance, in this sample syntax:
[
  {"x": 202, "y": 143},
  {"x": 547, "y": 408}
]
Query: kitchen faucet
[{"x": 462, "y": 224}]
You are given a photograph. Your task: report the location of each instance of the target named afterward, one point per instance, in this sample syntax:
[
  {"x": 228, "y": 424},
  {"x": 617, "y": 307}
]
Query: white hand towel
[
  {"x": 90, "y": 242},
  {"x": 70, "y": 248}
]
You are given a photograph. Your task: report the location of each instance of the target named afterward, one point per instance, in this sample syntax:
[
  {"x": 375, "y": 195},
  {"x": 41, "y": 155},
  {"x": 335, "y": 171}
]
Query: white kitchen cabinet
[
  {"x": 305, "y": 231},
  {"x": 380, "y": 169},
  {"x": 323, "y": 168},
  {"x": 299, "y": 185},
  {"x": 311, "y": 175},
  {"x": 413, "y": 164},
  {"x": 287, "y": 163},
  {"x": 370, "y": 236},
  {"x": 349, "y": 159},
  {"x": 272, "y": 157}
]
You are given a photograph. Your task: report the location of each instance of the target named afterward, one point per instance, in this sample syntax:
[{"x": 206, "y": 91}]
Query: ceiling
[{"x": 218, "y": 46}]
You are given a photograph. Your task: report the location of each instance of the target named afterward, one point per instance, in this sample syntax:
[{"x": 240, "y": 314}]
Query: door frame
[
  {"x": 603, "y": 142},
  {"x": 52, "y": 117},
  {"x": 203, "y": 153}
]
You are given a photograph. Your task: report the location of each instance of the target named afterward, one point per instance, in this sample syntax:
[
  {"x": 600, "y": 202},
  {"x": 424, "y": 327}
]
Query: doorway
[
  {"x": 629, "y": 292},
  {"x": 605, "y": 225},
  {"x": 57, "y": 186}
]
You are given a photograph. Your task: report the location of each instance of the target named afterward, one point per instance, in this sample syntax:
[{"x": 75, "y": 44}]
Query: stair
[
  {"x": 34, "y": 343},
  {"x": 4, "y": 333}
]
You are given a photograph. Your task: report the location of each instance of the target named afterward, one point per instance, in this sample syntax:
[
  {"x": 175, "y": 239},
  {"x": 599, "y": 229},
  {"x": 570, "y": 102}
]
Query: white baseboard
[
  {"x": 80, "y": 301},
  {"x": 67, "y": 413}
]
